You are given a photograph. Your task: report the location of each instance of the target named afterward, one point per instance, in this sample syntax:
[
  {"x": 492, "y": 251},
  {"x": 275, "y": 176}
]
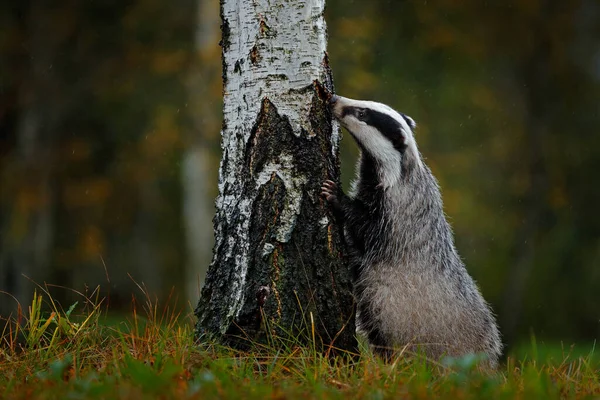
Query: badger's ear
[{"x": 411, "y": 122}]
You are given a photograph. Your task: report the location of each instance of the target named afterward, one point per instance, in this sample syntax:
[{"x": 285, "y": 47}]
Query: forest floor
[{"x": 151, "y": 354}]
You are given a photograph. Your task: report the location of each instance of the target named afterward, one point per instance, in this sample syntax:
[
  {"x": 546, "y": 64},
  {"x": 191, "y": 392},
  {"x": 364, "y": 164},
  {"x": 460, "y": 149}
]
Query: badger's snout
[{"x": 336, "y": 106}]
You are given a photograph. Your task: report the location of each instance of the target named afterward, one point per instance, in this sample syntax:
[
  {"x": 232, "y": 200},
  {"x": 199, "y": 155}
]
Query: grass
[{"x": 71, "y": 354}]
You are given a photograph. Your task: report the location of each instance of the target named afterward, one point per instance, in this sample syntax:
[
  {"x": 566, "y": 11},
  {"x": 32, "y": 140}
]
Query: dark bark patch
[
  {"x": 225, "y": 29},
  {"x": 278, "y": 77},
  {"x": 265, "y": 30},
  {"x": 270, "y": 135},
  {"x": 225, "y": 33},
  {"x": 327, "y": 75},
  {"x": 238, "y": 66},
  {"x": 254, "y": 55}
]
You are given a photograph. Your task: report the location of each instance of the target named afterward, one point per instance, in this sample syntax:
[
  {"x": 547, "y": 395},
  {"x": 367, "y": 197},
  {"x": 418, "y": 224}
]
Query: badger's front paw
[
  {"x": 336, "y": 198},
  {"x": 329, "y": 190}
]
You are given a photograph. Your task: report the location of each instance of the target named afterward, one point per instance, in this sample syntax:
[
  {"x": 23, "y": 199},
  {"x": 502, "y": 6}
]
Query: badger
[{"x": 411, "y": 287}]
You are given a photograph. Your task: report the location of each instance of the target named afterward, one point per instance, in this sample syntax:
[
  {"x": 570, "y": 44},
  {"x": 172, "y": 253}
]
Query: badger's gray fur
[{"x": 412, "y": 288}]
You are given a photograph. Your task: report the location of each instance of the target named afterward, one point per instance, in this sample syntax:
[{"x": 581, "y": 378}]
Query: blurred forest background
[{"x": 109, "y": 143}]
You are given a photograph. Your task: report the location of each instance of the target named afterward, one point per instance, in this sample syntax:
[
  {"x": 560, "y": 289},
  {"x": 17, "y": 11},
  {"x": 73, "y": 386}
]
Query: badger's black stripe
[
  {"x": 387, "y": 125},
  {"x": 348, "y": 110}
]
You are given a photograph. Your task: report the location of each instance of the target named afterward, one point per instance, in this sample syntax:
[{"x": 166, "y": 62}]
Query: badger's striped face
[{"x": 384, "y": 133}]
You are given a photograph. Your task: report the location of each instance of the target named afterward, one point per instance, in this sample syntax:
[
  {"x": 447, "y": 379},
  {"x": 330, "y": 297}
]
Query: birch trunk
[{"x": 278, "y": 259}]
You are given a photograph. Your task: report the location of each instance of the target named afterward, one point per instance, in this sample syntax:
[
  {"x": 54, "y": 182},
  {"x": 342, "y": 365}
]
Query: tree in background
[
  {"x": 278, "y": 263},
  {"x": 201, "y": 147},
  {"x": 29, "y": 114},
  {"x": 92, "y": 105}
]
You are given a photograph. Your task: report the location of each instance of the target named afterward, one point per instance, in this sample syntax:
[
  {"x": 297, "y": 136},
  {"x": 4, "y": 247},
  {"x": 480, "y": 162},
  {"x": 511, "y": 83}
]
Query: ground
[{"x": 151, "y": 353}]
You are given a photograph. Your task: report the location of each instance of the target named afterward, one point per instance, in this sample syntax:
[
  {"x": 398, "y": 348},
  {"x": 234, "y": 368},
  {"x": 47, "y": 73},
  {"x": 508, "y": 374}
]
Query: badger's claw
[
  {"x": 336, "y": 198},
  {"x": 329, "y": 190}
]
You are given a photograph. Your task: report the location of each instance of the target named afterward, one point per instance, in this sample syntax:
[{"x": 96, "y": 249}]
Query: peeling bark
[{"x": 278, "y": 255}]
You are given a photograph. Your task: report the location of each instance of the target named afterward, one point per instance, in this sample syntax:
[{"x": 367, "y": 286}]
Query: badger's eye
[{"x": 361, "y": 114}]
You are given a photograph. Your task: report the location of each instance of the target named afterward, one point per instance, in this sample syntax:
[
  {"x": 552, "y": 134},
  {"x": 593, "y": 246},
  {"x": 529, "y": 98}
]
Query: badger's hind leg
[{"x": 380, "y": 345}]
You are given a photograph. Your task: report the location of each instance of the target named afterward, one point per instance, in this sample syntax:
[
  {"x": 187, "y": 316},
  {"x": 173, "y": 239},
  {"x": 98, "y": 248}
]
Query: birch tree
[{"x": 278, "y": 261}]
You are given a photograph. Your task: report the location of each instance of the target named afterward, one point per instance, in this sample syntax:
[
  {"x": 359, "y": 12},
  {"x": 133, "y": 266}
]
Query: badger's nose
[{"x": 333, "y": 99}]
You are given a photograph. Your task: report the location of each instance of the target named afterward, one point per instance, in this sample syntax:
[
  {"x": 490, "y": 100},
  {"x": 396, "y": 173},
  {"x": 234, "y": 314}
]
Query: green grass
[{"x": 71, "y": 354}]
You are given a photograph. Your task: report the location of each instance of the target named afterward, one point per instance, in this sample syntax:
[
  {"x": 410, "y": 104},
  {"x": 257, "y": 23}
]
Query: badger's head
[{"x": 383, "y": 133}]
